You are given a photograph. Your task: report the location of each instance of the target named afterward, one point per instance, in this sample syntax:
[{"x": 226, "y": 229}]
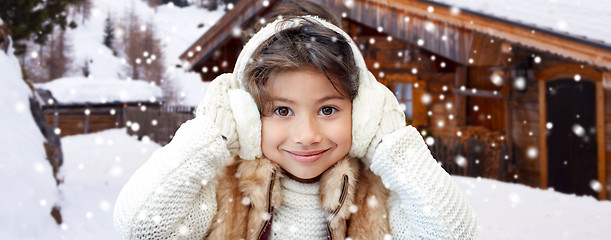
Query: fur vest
[{"x": 248, "y": 191}]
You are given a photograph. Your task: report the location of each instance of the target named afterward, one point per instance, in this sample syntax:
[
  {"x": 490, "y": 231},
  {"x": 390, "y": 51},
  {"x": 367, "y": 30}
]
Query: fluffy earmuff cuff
[{"x": 248, "y": 123}]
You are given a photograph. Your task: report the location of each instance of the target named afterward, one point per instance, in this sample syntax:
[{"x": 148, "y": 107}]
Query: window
[{"x": 403, "y": 92}]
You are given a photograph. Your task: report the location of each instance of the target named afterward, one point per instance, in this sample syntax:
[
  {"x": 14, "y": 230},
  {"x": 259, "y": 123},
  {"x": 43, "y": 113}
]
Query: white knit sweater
[
  {"x": 300, "y": 216},
  {"x": 172, "y": 196}
]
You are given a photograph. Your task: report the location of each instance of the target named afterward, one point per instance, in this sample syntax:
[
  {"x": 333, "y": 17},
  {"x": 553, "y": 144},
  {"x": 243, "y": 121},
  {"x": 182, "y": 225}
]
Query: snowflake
[
  {"x": 514, "y": 198},
  {"x": 353, "y": 209},
  {"x": 372, "y": 202},
  {"x": 183, "y": 230},
  {"x": 595, "y": 185},
  {"x": 105, "y": 205},
  {"x": 578, "y": 130},
  {"x": 532, "y": 152},
  {"x": 460, "y": 160}
]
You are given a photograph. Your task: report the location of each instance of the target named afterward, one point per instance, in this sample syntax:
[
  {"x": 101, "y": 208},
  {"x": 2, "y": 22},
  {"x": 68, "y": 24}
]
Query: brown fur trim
[
  {"x": 331, "y": 187},
  {"x": 228, "y": 222},
  {"x": 255, "y": 180},
  {"x": 243, "y": 194},
  {"x": 371, "y": 218}
]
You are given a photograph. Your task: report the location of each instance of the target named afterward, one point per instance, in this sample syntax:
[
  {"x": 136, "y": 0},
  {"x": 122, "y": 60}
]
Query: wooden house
[
  {"x": 80, "y": 118},
  {"x": 532, "y": 102}
]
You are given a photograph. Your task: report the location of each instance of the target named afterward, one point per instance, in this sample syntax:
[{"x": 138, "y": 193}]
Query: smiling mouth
[{"x": 306, "y": 157}]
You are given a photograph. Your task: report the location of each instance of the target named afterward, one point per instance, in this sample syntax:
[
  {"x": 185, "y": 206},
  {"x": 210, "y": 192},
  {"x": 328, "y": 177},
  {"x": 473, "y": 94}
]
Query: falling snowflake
[
  {"x": 460, "y": 160},
  {"x": 595, "y": 185},
  {"x": 537, "y": 59},
  {"x": 578, "y": 130},
  {"x": 430, "y": 141},
  {"x": 514, "y": 198},
  {"x": 116, "y": 171},
  {"x": 455, "y": 10},
  {"x": 532, "y": 152},
  {"x": 105, "y": 205},
  {"x": 157, "y": 219},
  {"x": 349, "y": 3},
  {"x": 353, "y": 209},
  {"x": 429, "y": 26},
  {"x": 372, "y": 202},
  {"x": 549, "y": 125},
  {"x": 577, "y": 77},
  {"x": 43, "y": 202},
  {"x": 99, "y": 140},
  {"x": 426, "y": 99},
  {"x": 39, "y": 167},
  {"x": 496, "y": 79},
  {"x": 183, "y": 230},
  {"x": 135, "y": 127}
]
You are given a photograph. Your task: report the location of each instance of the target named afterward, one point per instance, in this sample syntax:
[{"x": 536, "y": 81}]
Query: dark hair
[
  {"x": 309, "y": 46},
  {"x": 294, "y": 8}
]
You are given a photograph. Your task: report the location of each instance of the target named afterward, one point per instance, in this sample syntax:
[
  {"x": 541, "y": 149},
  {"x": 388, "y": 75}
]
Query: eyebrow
[{"x": 326, "y": 98}]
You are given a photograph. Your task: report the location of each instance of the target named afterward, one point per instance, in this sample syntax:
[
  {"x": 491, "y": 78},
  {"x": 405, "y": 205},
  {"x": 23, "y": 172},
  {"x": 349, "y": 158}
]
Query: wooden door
[{"x": 571, "y": 138}]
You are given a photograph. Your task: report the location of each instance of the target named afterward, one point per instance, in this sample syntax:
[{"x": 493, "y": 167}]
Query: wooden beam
[
  {"x": 543, "y": 134},
  {"x": 600, "y": 136},
  {"x": 477, "y": 93}
]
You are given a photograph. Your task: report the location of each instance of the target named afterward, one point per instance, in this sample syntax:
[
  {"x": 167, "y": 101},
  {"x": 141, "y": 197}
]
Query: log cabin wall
[
  {"x": 525, "y": 134},
  {"x": 80, "y": 119}
]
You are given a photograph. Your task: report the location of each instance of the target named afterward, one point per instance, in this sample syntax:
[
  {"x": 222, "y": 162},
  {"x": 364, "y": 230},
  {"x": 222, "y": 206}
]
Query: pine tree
[{"x": 109, "y": 32}]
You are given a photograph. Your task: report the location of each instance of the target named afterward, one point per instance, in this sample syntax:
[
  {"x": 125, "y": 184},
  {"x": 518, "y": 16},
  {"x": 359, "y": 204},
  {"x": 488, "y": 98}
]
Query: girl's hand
[{"x": 215, "y": 108}]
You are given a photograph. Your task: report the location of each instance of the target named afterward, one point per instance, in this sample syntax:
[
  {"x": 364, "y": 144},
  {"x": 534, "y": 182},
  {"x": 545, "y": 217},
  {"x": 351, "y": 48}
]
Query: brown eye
[
  {"x": 327, "y": 110},
  {"x": 283, "y": 111}
]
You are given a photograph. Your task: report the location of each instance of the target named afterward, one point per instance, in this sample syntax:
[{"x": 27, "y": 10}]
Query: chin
[{"x": 302, "y": 177}]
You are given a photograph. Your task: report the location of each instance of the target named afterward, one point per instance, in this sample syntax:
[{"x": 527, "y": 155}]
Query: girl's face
[{"x": 309, "y": 126}]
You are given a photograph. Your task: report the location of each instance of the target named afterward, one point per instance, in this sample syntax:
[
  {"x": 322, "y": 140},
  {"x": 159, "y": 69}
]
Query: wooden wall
[
  {"x": 75, "y": 124},
  {"x": 608, "y": 138},
  {"x": 525, "y": 134}
]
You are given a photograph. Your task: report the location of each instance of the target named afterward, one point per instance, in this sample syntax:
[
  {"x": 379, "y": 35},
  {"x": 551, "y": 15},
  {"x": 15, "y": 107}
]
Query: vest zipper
[
  {"x": 269, "y": 205},
  {"x": 342, "y": 198}
]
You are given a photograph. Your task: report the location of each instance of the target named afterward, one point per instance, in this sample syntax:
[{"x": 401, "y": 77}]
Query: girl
[{"x": 300, "y": 142}]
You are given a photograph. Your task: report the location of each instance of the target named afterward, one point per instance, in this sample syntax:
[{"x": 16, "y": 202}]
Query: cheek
[
  {"x": 342, "y": 134},
  {"x": 269, "y": 135}
]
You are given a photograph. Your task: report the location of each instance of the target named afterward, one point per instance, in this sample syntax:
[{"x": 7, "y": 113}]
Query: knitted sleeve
[
  {"x": 424, "y": 203},
  {"x": 172, "y": 196}
]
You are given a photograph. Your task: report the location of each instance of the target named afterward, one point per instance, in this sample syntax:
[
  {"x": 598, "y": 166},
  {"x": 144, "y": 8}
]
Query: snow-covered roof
[
  {"x": 80, "y": 90},
  {"x": 589, "y": 20}
]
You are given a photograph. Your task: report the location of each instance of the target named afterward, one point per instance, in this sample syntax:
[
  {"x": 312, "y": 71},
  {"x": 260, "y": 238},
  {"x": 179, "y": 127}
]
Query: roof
[
  {"x": 589, "y": 21},
  {"x": 575, "y": 30},
  {"x": 81, "y": 90}
]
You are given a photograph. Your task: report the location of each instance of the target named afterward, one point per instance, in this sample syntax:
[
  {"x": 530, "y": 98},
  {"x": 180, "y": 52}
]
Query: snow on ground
[
  {"x": 84, "y": 90},
  {"x": 26, "y": 178},
  {"x": 96, "y": 167},
  {"x": 514, "y": 211}
]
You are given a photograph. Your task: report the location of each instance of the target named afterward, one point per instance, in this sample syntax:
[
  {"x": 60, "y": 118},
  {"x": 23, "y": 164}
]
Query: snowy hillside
[
  {"x": 177, "y": 28},
  {"x": 26, "y": 178}
]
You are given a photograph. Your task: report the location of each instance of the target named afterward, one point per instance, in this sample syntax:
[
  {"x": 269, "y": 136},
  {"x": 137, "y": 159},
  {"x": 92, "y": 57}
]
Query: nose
[{"x": 306, "y": 131}]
